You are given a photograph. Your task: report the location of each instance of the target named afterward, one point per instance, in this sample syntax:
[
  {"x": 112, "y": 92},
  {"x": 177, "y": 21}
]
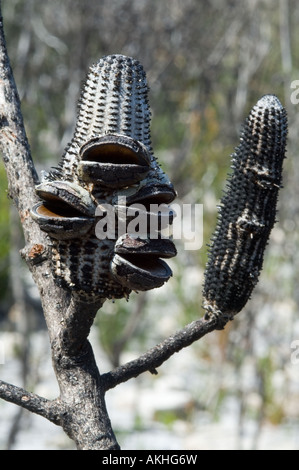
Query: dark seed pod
[
  {"x": 61, "y": 223},
  {"x": 113, "y": 161},
  {"x": 141, "y": 274},
  {"x": 247, "y": 211},
  {"x": 137, "y": 264},
  {"x": 128, "y": 245},
  {"x": 109, "y": 158},
  {"x": 69, "y": 194}
]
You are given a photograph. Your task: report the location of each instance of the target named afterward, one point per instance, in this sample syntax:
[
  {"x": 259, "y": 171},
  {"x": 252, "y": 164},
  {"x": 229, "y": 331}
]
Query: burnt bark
[{"x": 80, "y": 408}]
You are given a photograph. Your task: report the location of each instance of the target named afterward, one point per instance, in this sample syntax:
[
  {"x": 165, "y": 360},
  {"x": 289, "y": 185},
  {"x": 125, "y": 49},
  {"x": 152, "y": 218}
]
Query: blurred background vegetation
[{"x": 207, "y": 64}]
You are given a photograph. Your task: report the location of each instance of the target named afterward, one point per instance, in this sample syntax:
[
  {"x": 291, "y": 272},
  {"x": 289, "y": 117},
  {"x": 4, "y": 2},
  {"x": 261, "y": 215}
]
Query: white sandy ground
[{"x": 135, "y": 406}]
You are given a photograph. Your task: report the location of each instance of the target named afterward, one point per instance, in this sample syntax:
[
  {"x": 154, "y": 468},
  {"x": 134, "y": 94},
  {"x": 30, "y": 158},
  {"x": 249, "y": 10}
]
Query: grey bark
[{"x": 80, "y": 409}]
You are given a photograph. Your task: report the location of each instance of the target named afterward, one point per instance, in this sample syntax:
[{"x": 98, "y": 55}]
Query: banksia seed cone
[
  {"x": 247, "y": 212},
  {"x": 113, "y": 103},
  {"x": 109, "y": 159}
]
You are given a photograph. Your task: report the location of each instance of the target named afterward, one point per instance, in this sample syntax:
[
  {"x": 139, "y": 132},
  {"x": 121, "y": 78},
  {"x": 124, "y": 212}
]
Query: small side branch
[
  {"x": 160, "y": 353},
  {"x": 49, "y": 409}
]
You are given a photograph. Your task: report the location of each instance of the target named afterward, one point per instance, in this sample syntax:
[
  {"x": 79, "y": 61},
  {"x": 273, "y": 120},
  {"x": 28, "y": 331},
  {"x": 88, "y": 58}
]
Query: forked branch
[{"x": 71, "y": 301}]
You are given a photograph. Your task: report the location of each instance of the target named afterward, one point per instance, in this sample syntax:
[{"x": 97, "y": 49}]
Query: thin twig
[
  {"x": 160, "y": 353},
  {"x": 52, "y": 410}
]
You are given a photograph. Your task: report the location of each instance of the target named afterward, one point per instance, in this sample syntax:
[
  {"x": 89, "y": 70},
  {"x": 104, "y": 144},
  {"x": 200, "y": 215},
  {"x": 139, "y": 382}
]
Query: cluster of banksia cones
[
  {"x": 109, "y": 159},
  {"x": 247, "y": 211}
]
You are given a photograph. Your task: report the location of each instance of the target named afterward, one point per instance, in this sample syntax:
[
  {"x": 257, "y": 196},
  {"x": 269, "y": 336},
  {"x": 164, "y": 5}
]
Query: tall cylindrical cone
[{"x": 247, "y": 211}]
